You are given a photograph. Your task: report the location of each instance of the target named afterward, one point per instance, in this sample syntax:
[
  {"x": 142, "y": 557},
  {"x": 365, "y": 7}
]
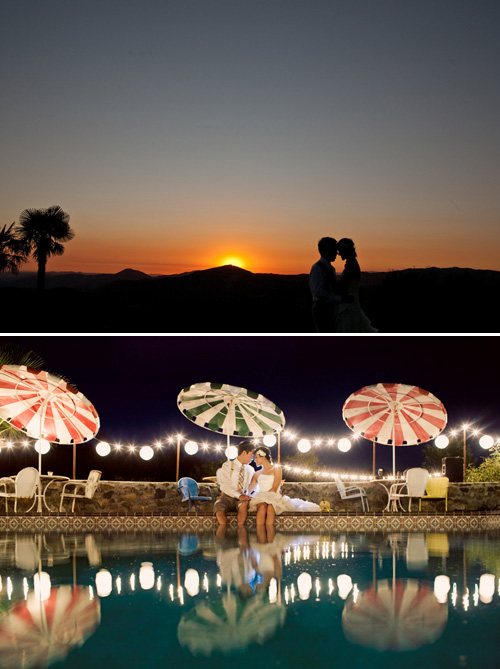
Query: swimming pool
[{"x": 248, "y": 599}]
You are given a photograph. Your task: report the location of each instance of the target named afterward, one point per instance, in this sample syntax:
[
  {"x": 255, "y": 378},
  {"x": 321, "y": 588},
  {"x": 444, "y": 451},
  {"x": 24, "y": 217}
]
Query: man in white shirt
[
  {"x": 234, "y": 478},
  {"x": 324, "y": 288}
]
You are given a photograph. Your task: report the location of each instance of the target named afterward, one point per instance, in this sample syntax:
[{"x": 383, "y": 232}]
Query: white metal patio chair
[
  {"x": 417, "y": 553},
  {"x": 413, "y": 486},
  {"x": 80, "y": 489},
  {"x": 352, "y": 492},
  {"x": 24, "y": 486},
  {"x": 27, "y": 553}
]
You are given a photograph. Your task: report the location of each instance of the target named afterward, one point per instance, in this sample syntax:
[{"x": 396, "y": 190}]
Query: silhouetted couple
[{"x": 336, "y": 305}]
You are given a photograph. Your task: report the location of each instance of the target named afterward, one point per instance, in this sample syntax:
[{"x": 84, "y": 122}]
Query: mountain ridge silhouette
[{"x": 230, "y": 299}]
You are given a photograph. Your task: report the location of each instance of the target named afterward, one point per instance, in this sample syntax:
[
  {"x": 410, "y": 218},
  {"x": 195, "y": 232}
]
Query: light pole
[{"x": 464, "y": 428}]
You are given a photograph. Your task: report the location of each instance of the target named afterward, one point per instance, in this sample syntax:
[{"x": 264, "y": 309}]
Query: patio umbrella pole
[
  {"x": 279, "y": 447},
  {"x": 178, "y": 455},
  {"x": 374, "y": 470},
  {"x": 74, "y": 460},
  {"x": 393, "y": 448},
  {"x": 42, "y": 416}
]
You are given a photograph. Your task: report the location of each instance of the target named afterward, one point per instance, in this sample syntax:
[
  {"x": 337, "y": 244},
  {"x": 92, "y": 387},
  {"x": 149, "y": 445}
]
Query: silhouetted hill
[
  {"x": 78, "y": 280},
  {"x": 230, "y": 299}
]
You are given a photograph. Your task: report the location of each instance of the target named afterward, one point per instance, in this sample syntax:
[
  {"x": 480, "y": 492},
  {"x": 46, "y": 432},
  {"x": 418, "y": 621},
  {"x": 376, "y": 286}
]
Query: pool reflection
[{"x": 220, "y": 594}]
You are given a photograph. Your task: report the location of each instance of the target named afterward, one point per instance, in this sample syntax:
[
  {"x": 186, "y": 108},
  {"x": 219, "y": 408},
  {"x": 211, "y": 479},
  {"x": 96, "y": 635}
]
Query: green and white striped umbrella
[{"x": 230, "y": 410}]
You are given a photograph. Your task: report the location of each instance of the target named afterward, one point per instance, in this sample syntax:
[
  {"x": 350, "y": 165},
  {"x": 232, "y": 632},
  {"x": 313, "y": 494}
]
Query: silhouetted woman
[{"x": 351, "y": 318}]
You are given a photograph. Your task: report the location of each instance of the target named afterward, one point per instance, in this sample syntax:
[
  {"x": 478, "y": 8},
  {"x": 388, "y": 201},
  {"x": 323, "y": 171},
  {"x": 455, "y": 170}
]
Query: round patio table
[{"x": 50, "y": 478}]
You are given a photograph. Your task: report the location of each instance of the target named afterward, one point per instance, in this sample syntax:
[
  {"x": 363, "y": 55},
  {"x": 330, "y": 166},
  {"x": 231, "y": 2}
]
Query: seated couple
[{"x": 243, "y": 488}]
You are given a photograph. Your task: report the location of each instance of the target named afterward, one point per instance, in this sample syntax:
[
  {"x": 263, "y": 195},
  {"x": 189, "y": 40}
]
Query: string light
[
  {"x": 303, "y": 444},
  {"x": 339, "y": 583},
  {"x": 442, "y": 441}
]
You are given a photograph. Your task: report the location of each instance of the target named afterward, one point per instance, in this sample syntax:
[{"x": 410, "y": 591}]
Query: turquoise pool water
[{"x": 250, "y": 600}]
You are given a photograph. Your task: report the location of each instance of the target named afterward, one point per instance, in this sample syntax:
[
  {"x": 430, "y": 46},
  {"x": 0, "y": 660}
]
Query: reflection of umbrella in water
[
  {"x": 38, "y": 633},
  {"x": 228, "y": 625},
  {"x": 43, "y": 405},
  {"x": 398, "y": 615},
  {"x": 396, "y": 414},
  {"x": 230, "y": 410}
]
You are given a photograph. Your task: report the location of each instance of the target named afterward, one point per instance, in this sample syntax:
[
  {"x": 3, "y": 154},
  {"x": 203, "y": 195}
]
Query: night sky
[
  {"x": 185, "y": 134},
  {"x": 134, "y": 381}
]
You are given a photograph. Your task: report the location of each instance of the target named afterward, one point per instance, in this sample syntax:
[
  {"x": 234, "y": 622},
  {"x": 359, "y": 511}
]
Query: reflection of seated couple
[
  {"x": 243, "y": 488},
  {"x": 247, "y": 566},
  {"x": 228, "y": 622}
]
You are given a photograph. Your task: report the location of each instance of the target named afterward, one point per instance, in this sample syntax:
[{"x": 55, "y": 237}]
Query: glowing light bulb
[
  {"x": 103, "y": 448},
  {"x": 441, "y": 588},
  {"x": 304, "y": 585},
  {"x": 231, "y": 452},
  {"x": 191, "y": 447},
  {"x": 146, "y": 452},
  {"x": 103, "y": 582},
  {"x": 42, "y": 446},
  {"x": 304, "y": 445},
  {"x": 147, "y": 575},
  {"x": 344, "y": 445},
  {"x": 344, "y": 585},
  {"x": 192, "y": 582},
  {"x": 486, "y": 588},
  {"x": 486, "y": 441},
  {"x": 41, "y": 582},
  {"x": 442, "y": 441}
]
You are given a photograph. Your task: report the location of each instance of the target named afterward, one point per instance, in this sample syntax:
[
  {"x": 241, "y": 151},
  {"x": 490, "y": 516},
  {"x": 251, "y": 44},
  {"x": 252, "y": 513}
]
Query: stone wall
[{"x": 132, "y": 497}]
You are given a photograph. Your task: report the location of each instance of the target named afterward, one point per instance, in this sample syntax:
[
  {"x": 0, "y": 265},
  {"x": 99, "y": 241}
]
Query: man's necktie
[{"x": 241, "y": 479}]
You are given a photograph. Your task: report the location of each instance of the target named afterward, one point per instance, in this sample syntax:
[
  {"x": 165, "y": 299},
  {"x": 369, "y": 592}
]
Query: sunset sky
[{"x": 185, "y": 134}]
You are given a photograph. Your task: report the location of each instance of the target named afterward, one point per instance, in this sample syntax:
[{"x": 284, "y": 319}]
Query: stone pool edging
[
  {"x": 131, "y": 505},
  {"x": 151, "y": 498},
  {"x": 286, "y": 522}
]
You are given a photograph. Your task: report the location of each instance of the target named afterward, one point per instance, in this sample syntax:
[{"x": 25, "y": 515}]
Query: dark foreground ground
[{"x": 229, "y": 299}]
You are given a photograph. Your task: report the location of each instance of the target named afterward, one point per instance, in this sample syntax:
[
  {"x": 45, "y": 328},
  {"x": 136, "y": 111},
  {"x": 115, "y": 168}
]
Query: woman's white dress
[
  {"x": 280, "y": 502},
  {"x": 351, "y": 317}
]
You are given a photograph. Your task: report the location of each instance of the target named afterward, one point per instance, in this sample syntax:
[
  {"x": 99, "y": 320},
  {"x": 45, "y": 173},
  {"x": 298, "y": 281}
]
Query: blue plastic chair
[
  {"x": 188, "y": 544},
  {"x": 189, "y": 490}
]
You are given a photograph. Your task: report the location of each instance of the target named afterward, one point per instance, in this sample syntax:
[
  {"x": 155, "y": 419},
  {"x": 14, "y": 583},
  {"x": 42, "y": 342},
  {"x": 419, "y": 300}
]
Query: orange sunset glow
[
  {"x": 422, "y": 244},
  {"x": 186, "y": 138},
  {"x": 232, "y": 259}
]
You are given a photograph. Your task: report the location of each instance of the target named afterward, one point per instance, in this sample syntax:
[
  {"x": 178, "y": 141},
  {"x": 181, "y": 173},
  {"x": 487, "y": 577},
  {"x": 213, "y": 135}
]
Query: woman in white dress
[
  {"x": 351, "y": 318},
  {"x": 267, "y": 486}
]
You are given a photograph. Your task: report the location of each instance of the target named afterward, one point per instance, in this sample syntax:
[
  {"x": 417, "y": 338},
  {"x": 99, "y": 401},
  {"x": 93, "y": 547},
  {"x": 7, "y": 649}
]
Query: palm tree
[
  {"x": 11, "y": 255},
  {"x": 42, "y": 232}
]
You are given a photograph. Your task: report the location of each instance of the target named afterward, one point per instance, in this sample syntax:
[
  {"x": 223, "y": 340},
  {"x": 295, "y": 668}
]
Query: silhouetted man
[{"x": 324, "y": 288}]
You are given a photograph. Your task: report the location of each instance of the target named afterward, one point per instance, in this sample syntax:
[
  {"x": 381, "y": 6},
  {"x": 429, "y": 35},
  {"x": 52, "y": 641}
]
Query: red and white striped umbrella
[
  {"x": 399, "y": 616},
  {"x": 38, "y": 633},
  {"x": 43, "y": 405},
  {"x": 395, "y": 414}
]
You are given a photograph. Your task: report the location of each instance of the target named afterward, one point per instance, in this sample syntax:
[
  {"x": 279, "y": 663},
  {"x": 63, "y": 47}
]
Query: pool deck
[{"x": 291, "y": 522}]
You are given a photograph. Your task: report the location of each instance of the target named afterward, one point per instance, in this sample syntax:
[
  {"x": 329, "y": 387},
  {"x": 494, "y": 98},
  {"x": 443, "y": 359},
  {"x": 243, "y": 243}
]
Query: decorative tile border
[{"x": 292, "y": 523}]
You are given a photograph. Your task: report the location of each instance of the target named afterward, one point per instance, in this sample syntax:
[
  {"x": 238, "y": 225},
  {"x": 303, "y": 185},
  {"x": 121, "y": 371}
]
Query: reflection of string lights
[
  {"x": 303, "y": 586},
  {"x": 485, "y": 589}
]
